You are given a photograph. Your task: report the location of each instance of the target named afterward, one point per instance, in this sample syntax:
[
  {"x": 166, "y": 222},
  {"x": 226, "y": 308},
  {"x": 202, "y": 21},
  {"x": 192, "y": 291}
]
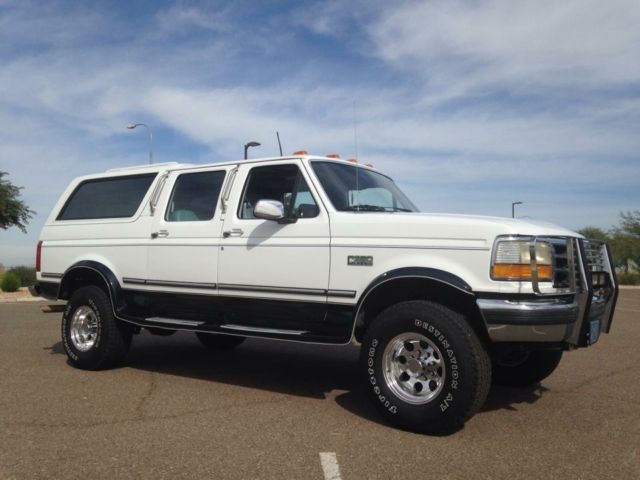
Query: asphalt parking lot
[{"x": 268, "y": 409}]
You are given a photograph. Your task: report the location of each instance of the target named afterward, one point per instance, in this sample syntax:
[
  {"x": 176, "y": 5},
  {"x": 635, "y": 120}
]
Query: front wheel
[
  {"x": 92, "y": 337},
  {"x": 424, "y": 367},
  {"x": 523, "y": 369}
]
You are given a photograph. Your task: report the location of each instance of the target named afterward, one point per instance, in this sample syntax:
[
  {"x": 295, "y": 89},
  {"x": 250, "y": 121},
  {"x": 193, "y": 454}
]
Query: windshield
[{"x": 357, "y": 189}]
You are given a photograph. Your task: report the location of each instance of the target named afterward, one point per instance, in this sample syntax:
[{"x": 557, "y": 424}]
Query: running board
[
  {"x": 274, "y": 331},
  {"x": 174, "y": 321}
]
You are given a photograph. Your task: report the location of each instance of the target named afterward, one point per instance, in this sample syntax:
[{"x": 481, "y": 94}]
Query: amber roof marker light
[{"x": 247, "y": 146}]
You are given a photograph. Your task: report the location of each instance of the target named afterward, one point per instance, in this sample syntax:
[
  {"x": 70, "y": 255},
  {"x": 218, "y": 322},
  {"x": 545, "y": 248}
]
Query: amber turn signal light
[{"x": 517, "y": 272}]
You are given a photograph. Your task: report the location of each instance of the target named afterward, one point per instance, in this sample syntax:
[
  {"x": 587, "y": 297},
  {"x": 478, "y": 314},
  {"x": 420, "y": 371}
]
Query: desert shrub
[
  {"x": 10, "y": 282},
  {"x": 628, "y": 278},
  {"x": 27, "y": 275}
]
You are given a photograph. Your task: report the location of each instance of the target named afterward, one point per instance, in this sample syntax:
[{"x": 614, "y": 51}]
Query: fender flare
[
  {"x": 110, "y": 279},
  {"x": 441, "y": 276}
]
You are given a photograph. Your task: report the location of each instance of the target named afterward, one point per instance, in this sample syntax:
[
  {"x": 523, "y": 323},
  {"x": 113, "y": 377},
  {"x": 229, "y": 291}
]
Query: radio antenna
[
  {"x": 355, "y": 143},
  {"x": 279, "y": 144},
  {"x": 355, "y": 130}
]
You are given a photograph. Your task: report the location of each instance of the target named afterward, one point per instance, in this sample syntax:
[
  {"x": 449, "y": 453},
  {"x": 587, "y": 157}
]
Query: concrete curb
[
  {"x": 629, "y": 287},
  {"x": 23, "y": 300}
]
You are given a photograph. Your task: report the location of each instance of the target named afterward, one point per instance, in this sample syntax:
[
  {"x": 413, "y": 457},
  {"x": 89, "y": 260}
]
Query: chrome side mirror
[{"x": 269, "y": 210}]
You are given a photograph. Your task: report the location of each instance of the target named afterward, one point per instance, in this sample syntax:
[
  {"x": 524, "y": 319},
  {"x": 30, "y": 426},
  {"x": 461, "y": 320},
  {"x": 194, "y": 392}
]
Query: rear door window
[
  {"x": 114, "y": 197},
  {"x": 195, "y": 196}
]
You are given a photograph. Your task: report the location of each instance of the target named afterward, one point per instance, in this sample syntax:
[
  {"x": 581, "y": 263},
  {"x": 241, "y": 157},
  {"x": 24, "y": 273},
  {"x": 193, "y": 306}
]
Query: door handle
[
  {"x": 160, "y": 233},
  {"x": 234, "y": 232}
]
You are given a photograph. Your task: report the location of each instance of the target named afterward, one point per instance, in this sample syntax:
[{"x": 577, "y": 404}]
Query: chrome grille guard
[{"x": 590, "y": 277}]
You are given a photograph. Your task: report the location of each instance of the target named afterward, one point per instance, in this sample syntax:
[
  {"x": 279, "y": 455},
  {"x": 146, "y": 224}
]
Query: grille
[
  {"x": 561, "y": 273},
  {"x": 594, "y": 252},
  {"x": 596, "y": 263}
]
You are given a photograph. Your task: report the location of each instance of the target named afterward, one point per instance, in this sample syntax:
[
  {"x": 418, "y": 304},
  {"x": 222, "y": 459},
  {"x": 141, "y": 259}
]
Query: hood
[{"x": 474, "y": 228}]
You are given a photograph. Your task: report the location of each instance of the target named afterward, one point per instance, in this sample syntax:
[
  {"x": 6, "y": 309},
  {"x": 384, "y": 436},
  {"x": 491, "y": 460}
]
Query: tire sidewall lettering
[
  {"x": 392, "y": 408},
  {"x": 445, "y": 399}
]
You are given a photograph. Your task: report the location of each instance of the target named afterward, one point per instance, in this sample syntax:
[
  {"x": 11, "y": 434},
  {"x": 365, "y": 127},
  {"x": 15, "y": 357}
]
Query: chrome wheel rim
[
  {"x": 84, "y": 328},
  {"x": 414, "y": 368}
]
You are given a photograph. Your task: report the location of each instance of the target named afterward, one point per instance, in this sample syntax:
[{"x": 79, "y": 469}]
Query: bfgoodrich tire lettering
[
  {"x": 92, "y": 337},
  {"x": 457, "y": 383}
]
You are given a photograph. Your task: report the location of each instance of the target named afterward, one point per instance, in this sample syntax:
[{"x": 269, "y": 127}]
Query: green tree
[
  {"x": 630, "y": 223},
  {"x": 624, "y": 247},
  {"x": 13, "y": 211},
  {"x": 595, "y": 233}
]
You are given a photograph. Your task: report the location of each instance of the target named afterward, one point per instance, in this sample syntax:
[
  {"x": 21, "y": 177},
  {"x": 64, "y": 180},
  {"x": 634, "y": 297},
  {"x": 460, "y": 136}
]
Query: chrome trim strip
[
  {"x": 342, "y": 293},
  {"x": 504, "y": 305},
  {"x": 258, "y": 288},
  {"x": 528, "y": 313},
  {"x": 243, "y": 288},
  {"x": 51, "y": 275},
  {"x": 526, "y": 333},
  {"x": 533, "y": 258},
  {"x": 417, "y": 247},
  {"x": 169, "y": 283},
  {"x": 275, "y": 331},
  {"x": 174, "y": 321}
]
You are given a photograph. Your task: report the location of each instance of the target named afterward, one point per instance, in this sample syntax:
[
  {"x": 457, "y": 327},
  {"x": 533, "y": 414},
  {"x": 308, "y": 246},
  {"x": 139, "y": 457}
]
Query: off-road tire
[
  {"x": 467, "y": 367},
  {"x": 219, "y": 342},
  {"x": 535, "y": 367},
  {"x": 112, "y": 337}
]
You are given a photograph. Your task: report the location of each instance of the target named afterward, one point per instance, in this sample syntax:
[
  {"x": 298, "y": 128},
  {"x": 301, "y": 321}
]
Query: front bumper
[{"x": 575, "y": 317}]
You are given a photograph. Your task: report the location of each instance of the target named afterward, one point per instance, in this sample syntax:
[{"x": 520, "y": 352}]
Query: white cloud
[
  {"x": 467, "y": 104},
  {"x": 464, "y": 46}
]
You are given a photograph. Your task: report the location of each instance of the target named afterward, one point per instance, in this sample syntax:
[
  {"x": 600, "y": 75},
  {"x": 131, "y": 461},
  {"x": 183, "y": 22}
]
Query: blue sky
[{"x": 469, "y": 105}]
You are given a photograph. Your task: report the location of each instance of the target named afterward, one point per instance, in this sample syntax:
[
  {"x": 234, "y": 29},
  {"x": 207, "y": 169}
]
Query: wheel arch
[
  {"x": 418, "y": 283},
  {"x": 90, "y": 272}
]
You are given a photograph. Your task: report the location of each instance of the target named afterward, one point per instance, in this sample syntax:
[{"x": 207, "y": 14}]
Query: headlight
[{"x": 512, "y": 260}]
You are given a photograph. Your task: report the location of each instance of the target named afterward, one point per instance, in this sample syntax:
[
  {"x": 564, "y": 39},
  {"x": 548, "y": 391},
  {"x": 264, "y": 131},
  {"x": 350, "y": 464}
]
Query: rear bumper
[
  {"x": 575, "y": 319},
  {"x": 48, "y": 290}
]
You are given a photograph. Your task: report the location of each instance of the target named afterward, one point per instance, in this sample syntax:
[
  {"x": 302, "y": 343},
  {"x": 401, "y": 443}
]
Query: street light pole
[
  {"x": 513, "y": 208},
  {"x": 248, "y": 145},
  {"x": 134, "y": 125}
]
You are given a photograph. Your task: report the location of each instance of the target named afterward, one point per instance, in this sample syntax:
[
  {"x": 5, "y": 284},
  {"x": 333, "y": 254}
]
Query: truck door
[
  {"x": 185, "y": 236},
  {"x": 273, "y": 276}
]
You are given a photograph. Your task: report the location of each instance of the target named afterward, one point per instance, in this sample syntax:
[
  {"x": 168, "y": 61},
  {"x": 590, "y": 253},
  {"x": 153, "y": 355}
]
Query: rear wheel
[
  {"x": 92, "y": 337},
  {"x": 219, "y": 342},
  {"x": 424, "y": 367},
  {"x": 524, "y": 368}
]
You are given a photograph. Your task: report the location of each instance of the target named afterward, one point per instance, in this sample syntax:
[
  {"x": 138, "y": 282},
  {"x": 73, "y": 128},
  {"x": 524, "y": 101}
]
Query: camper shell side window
[{"x": 110, "y": 197}]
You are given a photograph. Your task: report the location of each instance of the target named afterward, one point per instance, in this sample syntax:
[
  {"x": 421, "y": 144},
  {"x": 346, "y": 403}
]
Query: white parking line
[{"x": 330, "y": 466}]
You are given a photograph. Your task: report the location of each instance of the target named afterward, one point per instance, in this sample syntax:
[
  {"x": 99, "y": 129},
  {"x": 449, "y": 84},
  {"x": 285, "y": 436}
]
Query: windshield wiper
[
  {"x": 400, "y": 209},
  {"x": 366, "y": 208}
]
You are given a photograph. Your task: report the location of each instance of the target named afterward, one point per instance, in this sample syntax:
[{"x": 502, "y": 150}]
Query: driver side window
[{"x": 283, "y": 183}]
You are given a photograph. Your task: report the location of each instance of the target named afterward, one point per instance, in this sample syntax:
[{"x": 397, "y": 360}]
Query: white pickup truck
[{"x": 321, "y": 250}]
